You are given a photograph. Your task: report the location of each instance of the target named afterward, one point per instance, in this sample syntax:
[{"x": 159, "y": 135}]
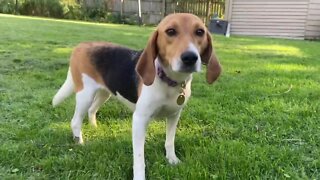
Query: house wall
[
  {"x": 274, "y": 18},
  {"x": 313, "y": 20}
]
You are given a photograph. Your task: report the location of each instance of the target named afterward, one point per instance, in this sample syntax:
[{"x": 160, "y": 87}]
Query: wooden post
[
  {"x": 122, "y": 9},
  {"x": 207, "y": 12},
  {"x": 163, "y": 9},
  {"x": 228, "y": 15},
  {"x": 228, "y": 10},
  {"x": 139, "y": 13}
]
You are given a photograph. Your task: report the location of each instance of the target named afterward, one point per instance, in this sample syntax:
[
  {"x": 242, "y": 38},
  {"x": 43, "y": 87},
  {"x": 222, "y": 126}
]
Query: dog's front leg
[
  {"x": 139, "y": 127},
  {"x": 172, "y": 122}
]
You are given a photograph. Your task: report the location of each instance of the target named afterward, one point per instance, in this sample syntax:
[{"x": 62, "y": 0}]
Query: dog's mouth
[
  {"x": 188, "y": 69},
  {"x": 181, "y": 67}
]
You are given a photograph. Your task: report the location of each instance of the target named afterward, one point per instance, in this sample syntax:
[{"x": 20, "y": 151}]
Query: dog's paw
[
  {"x": 77, "y": 140},
  {"x": 138, "y": 174},
  {"x": 139, "y": 178},
  {"x": 173, "y": 159},
  {"x": 92, "y": 119},
  {"x": 94, "y": 123}
]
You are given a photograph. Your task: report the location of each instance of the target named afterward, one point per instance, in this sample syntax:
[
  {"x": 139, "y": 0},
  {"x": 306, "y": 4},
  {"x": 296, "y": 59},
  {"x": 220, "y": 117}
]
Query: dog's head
[{"x": 181, "y": 42}]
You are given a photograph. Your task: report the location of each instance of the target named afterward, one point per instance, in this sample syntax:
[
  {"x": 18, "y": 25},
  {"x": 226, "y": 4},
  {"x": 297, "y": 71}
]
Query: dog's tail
[{"x": 65, "y": 91}]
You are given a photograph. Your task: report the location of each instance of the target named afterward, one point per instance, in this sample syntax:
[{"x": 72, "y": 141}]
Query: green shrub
[
  {"x": 114, "y": 18},
  {"x": 68, "y": 9},
  {"x": 72, "y": 12},
  {"x": 72, "y": 9},
  {"x": 48, "y": 8},
  {"x": 7, "y": 6}
]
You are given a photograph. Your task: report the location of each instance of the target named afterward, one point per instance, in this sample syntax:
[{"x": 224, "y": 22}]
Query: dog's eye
[
  {"x": 171, "y": 32},
  {"x": 199, "y": 32}
]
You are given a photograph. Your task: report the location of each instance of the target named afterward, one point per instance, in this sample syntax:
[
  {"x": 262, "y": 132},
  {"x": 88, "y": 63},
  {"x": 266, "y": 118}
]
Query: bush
[
  {"x": 7, "y": 6},
  {"x": 68, "y": 9},
  {"x": 72, "y": 12},
  {"x": 48, "y": 8},
  {"x": 80, "y": 10}
]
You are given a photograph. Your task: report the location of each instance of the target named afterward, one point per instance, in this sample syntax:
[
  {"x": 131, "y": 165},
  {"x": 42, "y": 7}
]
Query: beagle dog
[{"x": 153, "y": 82}]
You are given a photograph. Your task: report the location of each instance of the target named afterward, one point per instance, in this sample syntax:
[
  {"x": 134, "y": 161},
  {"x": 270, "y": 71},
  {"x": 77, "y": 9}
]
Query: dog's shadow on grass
[
  {"x": 109, "y": 144},
  {"x": 105, "y": 153}
]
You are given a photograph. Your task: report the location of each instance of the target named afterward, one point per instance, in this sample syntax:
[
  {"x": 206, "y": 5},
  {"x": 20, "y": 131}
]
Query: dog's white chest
[{"x": 163, "y": 100}]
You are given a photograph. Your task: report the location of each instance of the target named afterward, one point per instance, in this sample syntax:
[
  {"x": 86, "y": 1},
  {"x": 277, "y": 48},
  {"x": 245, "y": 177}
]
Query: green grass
[{"x": 260, "y": 120}]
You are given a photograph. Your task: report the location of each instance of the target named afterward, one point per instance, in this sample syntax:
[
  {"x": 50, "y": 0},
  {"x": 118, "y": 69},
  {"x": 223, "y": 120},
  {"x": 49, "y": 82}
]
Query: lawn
[{"x": 260, "y": 120}]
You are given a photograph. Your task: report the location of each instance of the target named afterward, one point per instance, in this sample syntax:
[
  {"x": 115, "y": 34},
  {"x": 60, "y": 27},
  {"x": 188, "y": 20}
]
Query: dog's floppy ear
[
  {"x": 145, "y": 66},
  {"x": 209, "y": 58}
]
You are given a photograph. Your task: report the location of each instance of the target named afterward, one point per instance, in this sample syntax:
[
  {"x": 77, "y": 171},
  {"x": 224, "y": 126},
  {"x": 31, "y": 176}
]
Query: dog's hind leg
[
  {"x": 84, "y": 99},
  {"x": 101, "y": 97}
]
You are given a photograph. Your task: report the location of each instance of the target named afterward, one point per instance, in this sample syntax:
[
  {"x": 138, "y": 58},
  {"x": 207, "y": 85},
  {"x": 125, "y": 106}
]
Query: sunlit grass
[
  {"x": 61, "y": 20},
  {"x": 62, "y": 50},
  {"x": 290, "y": 67},
  {"x": 260, "y": 120},
  {"x": 277, "y": 49}
]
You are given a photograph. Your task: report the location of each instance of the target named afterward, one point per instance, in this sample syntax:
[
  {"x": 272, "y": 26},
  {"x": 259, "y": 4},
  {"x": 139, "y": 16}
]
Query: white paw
[
  {"x": 139, "y": 170},
  {"x": 78, "y": 140},
  {"x": 173, "y": 159},
  {"x": 92, "y": 120},
  {"x": 139, "y": 176},
  {"x": 93, "y": 123}
]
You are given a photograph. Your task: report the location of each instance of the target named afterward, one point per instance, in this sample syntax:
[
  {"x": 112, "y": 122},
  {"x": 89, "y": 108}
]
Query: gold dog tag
[{"x": 180, "y": 99}]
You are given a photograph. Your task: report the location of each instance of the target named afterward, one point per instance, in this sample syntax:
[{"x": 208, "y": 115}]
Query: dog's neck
[{"x": 171, "y": 78}]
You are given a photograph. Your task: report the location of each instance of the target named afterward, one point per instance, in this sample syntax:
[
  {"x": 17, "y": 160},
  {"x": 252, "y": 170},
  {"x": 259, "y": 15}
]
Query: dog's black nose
[{"x": 189, "y": 58}]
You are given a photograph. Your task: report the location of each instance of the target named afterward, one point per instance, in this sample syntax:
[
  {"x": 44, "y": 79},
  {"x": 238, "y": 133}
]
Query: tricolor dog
[{"x": 153, "y": 82}]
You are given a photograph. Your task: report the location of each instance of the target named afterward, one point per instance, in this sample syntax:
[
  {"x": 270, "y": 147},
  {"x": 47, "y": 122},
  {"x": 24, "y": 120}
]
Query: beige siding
[
  {"x": 313, "y": 20},
  {"x": 275, "y": 18}
]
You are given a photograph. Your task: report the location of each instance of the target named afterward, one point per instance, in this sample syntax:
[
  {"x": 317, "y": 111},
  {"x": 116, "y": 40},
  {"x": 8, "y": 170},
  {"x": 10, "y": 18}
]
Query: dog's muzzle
[
  {"x": 189, "y": 58},
  {"x": 189, "y": 61}
]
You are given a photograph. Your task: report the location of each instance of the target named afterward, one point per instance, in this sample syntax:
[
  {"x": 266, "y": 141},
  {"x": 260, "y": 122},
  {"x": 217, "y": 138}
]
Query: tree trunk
[{"x": 16, "y": 7}]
